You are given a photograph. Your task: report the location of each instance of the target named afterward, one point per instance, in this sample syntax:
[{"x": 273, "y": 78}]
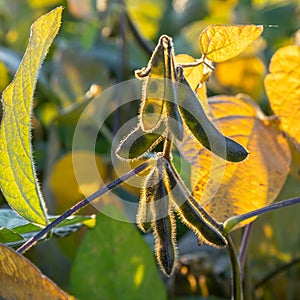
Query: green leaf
[
  {"x": 14, "y": 230},
  {"x": 114, "y": 262},
  {"x": 9, "y": 237},
  {"x": 18, "y": 177}
]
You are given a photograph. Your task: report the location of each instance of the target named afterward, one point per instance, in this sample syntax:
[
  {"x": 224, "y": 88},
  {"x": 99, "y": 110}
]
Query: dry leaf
[
  {"x": 226, "y": 189},
  {"x": 20, "y": 279},
  {"x": 219, "y": 43},
  {"x": 283, "y": 89}
]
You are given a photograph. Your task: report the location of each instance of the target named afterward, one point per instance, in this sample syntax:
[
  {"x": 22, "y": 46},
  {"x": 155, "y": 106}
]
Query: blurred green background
[{"x": 100, "y": 44}]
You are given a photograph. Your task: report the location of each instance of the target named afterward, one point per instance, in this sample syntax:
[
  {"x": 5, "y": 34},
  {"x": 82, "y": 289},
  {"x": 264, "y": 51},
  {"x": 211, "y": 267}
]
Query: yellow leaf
[
  {"x": 283, "y": 90},
  {"x": 20, "y": 279},
  {"x": 219, "y": 42},
  {"x": 68, "y": 187},
  {"x": 193, "y": 75},
  {"x": 242, "y": 75},
  {"x": 226, "y": 189},
  {"x": 18, "y": 178}
]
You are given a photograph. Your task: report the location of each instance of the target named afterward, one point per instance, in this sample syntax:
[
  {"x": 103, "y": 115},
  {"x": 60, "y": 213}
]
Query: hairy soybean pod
[
  {"x": 152, "y": 102},
  {"x": 137, "y": 143},
  {"x": 189, "y": 215},
  {"x": 144, "y": 215},
  {"x": 164, "y": 229},
  {"x": 202, "y": 128},
  {"x": 174, "y": 118}
]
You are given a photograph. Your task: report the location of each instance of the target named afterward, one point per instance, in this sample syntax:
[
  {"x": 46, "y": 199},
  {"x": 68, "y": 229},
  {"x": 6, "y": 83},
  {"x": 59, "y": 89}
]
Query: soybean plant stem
[
  {"x": 231, "y": 222},
  {"x": 236, "y": 281},
  {"x": 244, "y": 245},
  {"x": 80, "y": 205},
  {"x": 143, "y": 43}
]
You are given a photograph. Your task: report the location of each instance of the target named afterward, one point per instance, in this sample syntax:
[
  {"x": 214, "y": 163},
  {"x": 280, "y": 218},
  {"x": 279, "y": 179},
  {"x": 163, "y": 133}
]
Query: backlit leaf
[
  {"x": 224, "y": 188},
  {"x": 283, "y": 90},
  {"x": 20, "y": 279},
  {"x": 18, "y": 179},
  {"x": 194, "y": 75},
  {"x": 114, "y": 262},
  {"x": 219, "y": 43}
]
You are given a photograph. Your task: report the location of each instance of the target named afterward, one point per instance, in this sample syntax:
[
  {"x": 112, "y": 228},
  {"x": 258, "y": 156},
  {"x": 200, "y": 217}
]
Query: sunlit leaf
[
  {"x": 68, "y": 187},
  {"x": 219, "y": 43},
  {"x": 226, "y": 189},
  {"x": 114, "y": 262},
  {"x": 18, "y": 179},
  {"x": 194, "y": 75},
  {"x": 242, "y": 75},
  {"x": 283, "y": 90},
  {"x": 20, "y": 279}
]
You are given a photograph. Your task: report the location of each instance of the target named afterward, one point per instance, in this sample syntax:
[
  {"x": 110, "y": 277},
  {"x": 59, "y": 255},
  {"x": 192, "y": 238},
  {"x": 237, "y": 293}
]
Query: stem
[
  {"x": 80, "y": 205},
  {"x": 231, "y": 222},
  {"x": 121, "y": 67},
  {"x": 244, "y": 245},
  {"x": 143, "y": 43},
  {"x": 236, "y": 282},
  {"x": 191, "y": 64}
]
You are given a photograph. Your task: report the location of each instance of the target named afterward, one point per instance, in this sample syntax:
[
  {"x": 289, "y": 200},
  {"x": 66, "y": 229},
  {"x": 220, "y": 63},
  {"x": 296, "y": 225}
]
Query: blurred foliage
[{"x": 96, "y": 48}]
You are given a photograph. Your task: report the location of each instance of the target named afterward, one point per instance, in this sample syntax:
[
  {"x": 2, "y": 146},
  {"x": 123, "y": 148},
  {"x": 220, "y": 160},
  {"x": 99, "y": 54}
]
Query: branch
[
  {"x": 230, "y": 223},
  {"x": 143, "y": 43},
  {"x": 244, "y": 245},
  {"x": 80, "y": 205}
]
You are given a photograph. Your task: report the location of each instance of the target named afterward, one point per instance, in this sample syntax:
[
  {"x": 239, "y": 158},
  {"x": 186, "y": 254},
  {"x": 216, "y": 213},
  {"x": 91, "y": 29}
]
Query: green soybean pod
[
  {"x": 164, "y": 229},
  {"x": 152, "y": 101},
  {"x": 144, "y": 216},
  {"x": 206, "y": 232},
  {"x": 202, "y": 128},
  {"x": 174, "y": 119},
  {"x": 138, "y": 143}
]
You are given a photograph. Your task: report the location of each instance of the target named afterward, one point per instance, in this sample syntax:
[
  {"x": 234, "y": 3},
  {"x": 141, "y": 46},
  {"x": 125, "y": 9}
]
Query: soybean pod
[
  {"x": 152, "y": 101},
  {"x": 137, "y": 143},
  {"x": 206, "y": 232},
  {"x": 202, "y": 128},
  {"x": 164, "y": 228},
  {"x": 174, "y": 119},
  {"x": 144, "y": 215}
]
